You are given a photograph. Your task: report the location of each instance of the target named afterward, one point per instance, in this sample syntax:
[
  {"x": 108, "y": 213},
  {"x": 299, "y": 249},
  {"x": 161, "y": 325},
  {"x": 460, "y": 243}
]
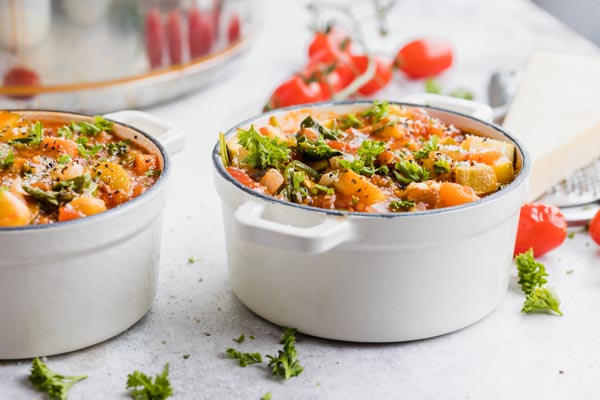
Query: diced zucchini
[
  {"x": 478, "y": 143},
  {"x": 352, "y": 184},
  {"x": 504, "y": 170},
  {"x": 480, "y": 177}
]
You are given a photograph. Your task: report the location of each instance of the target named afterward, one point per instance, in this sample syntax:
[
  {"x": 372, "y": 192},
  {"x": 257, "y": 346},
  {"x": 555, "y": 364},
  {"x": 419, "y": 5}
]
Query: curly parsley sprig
[
  {"x": 285, "y": 364},
  {"x": 262, "y": 151},
  {"x": 531, "y": 272},
  {"x": 145, "y": 388},
  {"x": 56, "y": 385},
  {"x": 244, "y": 359},
  {"x": 532, "y": 278}
]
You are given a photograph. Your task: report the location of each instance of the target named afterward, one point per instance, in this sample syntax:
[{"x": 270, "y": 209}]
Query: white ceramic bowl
[
  {"x": 69, "y": 285},
  {"x": 372, "y": 277}
]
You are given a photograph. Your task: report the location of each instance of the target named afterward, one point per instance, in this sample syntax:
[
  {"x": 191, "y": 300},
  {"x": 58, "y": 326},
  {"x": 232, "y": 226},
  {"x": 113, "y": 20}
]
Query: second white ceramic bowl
[{"x": 372, "y": 277}]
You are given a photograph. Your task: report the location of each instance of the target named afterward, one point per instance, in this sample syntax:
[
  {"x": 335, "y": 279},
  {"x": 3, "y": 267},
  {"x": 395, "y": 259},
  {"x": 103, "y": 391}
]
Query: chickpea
[
  {"x": 13, "y": 212},
  {"x": 88, "y": 205},
  {"x": 69, "y": 171}
]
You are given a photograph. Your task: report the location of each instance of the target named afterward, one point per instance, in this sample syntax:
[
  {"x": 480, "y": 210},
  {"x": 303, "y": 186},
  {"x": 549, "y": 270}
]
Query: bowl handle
[
  {"x": 169, "y": 135},
  {"x": 471, "y": 108},
  {"x": 251, "y": 225}
]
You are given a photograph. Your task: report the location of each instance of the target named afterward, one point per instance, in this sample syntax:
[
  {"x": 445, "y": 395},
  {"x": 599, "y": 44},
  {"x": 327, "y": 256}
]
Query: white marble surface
[{"x": 505, "y": 356}]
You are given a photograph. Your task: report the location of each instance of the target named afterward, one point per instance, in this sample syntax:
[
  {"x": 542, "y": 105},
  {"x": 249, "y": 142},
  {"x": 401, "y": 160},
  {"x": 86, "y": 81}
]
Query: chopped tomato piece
[
  {"x": 243, "y": 178},
  {"x": 68, "y": 213},
  {"x": 344, "y": 147},
  {"x": 145, "y": 162}
]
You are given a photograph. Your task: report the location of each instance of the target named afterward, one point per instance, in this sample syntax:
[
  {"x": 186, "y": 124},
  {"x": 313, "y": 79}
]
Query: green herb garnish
[
  {"x": 223, "y": 150},
  {"x": 266, "y": 396},
  {"x": 145, "y": 388},
  {"x": 428, "y": 146},
  {"x": 64, "y": 159},
  {"x": 35, "y": 137},
  {"x": 7, "y": 157},
  {"x": 286, "y": 364},
  {"x": 350, "y": 121},
  {"x": 378, "y": 111},
  {"x": 118, "y": 149},
  {"x": 313, "y": 150},
  {"x": 368, "y": 152},
  {"x": 407, "y": 172},
  {"x": 309, "y": 122},
  {"x": 244, "y": 359},
  {"x": 85, "y": 150},
  {"x": 56, "y": 385},
  {"x": 441, "y": 166},
  {"x": 461, "y": 93},
  {"x": 401, "y": 205},
  {"x": 542, "y": 300},
  {"x": 531, "y": 273},
  {"x": 433, "y": 86},
  {"x": 62, "y": 192},
  {"x": 240, "y": 339},
  {"x": 262, "y": 151}
]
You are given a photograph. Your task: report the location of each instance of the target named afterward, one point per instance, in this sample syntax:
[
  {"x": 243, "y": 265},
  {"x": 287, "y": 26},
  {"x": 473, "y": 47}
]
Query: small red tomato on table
[
  {"x": 329, "y": 46},
  {"x": 383, "y": 74},
  {"x": 296, "y": 91},
  {"x": 154, "y": 38},
  {"x": 200, "y": 33},
  {"x": 423, "y": 58},
  {"x": 541, "y": 228},
  {"x": 21, "y": 76},
  {"x": 595, "y": 228}
]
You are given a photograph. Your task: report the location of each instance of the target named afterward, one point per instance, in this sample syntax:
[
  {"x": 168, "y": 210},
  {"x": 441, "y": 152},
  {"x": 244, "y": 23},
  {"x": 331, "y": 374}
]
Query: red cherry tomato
[
  {"x": 242, "y": 177},
  {"x": 21, "y": 76},
  {"x": 296, "y": 91},
  {"x": 541, "y": 228},
  {"x": 174, "y": 34},
  {"x": 423, "y": 58},
  {"x": 595, "y": 228},
  {"x": 329, "y": 46},
  {"x": 346, "y": 70},
  {"x": 325, "y": 75},
  {"x": 154, "y": 38},
  {"x": 233, "y": 30},
  {"x": 201, "y": 33},
  {"x": 383, "y": 74}
]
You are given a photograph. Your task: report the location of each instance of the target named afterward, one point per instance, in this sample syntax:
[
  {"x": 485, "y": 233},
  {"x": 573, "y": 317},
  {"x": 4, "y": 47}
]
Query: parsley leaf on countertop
[
  {"x": 245, "y": 359},
  {"x": 55, "y": 385},
  {"x": 286, "y": 364},
  {"x": 542, "y": 300},
  {"x": 146, "y": 388},
  {"x": 531, "y": 273}
]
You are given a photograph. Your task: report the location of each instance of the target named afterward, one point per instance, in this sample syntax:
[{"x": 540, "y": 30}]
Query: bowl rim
[
  {"x": 166, "y": 171},
  {"x": 519, "y": 180}
]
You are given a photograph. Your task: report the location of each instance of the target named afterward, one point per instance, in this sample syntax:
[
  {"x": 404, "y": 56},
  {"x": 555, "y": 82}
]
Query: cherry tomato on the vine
[
  {"x": 595, "y": 228},
  {"x": 541, "y": 228},
  {"x": 326, "y": 76},
  {"x": 200, "y": 33},
  {"x": 329, "y": 46},
  {"x": 423, "y": 58},
  {"x": 383, "y": 74},
  {"x": 296, "y": 91},
  {"x": 21, "y": 76}
]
